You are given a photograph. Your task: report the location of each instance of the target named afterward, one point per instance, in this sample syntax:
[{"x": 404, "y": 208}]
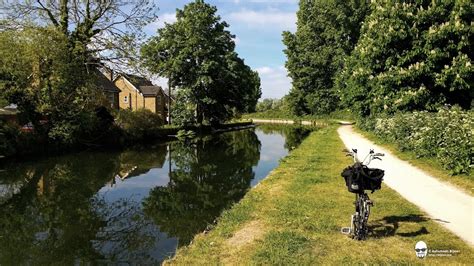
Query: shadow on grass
[{"x": 389, "y": 225}]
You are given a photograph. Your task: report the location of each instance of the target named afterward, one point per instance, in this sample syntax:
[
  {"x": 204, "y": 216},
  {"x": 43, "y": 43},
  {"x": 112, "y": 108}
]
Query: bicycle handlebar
[{"x": 372, "y": 156}]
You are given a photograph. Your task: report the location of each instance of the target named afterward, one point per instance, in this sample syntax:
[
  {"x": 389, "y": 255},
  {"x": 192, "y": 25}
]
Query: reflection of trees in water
[
  {"x": 52, "y": 218},
  {"x": 127, "y": 235},
  {"x": 209, "y": 175},
  {"x": 55, "y": 217},
  {"x": 139, "y": 161},
  {"x": 294, "y": 134}
]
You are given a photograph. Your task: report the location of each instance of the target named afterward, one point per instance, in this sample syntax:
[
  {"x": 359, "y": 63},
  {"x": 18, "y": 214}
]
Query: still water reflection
[{"x": 132, "y": 206}]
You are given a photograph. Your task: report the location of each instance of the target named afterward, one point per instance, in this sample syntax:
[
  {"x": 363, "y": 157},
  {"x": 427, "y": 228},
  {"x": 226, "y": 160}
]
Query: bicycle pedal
[{"x": 346, "y": 230}]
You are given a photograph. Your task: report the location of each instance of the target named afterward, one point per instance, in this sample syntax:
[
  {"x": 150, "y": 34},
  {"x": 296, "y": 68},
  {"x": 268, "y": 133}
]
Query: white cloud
[
  {"x": 160, "y": 81},
  {"x": 275, "y": 82},
  {"x": 269, "y": 19},
  {"x": 265, "y": 70},
  {"x": 168, "y": 18}
]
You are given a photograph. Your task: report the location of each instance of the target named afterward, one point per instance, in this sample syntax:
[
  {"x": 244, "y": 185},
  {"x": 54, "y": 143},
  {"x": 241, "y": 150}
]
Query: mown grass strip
[
  {"x": 294, "y": 216},
  {"x": 429, "y": 165}
]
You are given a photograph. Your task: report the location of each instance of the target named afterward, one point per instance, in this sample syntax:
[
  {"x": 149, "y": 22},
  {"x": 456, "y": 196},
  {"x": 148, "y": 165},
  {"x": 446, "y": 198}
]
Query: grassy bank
[
  {"x": 432, "y": 166},
  {"x": 278, "y": 114},
  {"x": 294, "y": 217}
]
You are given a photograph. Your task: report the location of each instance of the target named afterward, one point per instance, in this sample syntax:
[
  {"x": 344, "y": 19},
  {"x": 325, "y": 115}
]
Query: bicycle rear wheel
[{"x": 361, "y": 217}]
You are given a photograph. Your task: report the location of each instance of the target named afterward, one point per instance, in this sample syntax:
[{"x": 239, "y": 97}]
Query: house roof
[
  {"x": 144, "y": 85},
  {"x": 104, "y": 83},
  {"x": 138, "y": 81},
  {"x": 149, "y": 90}
]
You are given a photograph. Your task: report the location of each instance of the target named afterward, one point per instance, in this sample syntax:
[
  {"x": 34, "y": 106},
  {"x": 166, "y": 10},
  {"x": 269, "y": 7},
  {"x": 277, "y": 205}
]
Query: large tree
[
  {"x": 196, "y": 54},
  {"x": 107, "y": 29},
  {"x": 411, "y": 56},
  {"x": 326, "y": 33}
]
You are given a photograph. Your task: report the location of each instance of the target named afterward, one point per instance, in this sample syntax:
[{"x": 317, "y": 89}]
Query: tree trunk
[
  {"x": 199, "y": 114},
  {"x": 169, "y": 101}
]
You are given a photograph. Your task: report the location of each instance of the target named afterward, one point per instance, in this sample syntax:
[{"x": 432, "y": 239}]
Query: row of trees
[
  {"x": 380, "y": 57},
  {"x": 273, "y": 104},
  {"x": 197, "y": 55}
]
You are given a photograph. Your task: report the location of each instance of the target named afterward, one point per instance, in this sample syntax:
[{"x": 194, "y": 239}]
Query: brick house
[{"x": 138, "y": 92}]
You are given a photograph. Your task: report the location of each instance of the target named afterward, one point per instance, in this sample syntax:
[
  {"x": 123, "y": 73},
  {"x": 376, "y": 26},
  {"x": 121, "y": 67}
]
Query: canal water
[{"x": 136, "y": 205}]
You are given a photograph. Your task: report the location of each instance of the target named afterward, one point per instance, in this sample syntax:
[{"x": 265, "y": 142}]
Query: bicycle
[{"x": 359, "y": 177}]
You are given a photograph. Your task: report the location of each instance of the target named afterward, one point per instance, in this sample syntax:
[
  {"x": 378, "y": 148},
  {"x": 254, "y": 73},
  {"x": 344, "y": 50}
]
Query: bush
[
  {"x": 446, "y": 135},
  {"x": 140, "y": 124},
  {"x": 14, "y": 142},
  {"x": 184, "y": 135},
  {"x": 8, "y": 139}
]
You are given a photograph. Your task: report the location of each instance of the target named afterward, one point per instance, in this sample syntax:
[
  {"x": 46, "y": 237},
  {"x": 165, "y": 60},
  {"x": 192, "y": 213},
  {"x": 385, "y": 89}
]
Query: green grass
[
  {"x": 294, "y": 216},
  {"x": 432, "y": 166}
]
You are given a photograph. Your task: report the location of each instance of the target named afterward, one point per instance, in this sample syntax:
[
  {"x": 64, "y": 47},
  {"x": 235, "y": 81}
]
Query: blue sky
[{"x": 258, "y": 25}]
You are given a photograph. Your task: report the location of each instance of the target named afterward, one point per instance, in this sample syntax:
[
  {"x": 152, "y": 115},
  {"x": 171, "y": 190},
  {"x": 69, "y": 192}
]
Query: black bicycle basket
[{"x": 359, "y": 177}]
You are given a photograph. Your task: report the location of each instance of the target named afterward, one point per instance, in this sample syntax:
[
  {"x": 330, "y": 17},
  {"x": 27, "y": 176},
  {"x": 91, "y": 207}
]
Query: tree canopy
[
  {"x": 197, "y": 54},
  {"x": 41, "y": 77},
  {"x": 326, "y": 33},
  {"x": 411, "y": 57},
  {"x": 110, "y": 30}
]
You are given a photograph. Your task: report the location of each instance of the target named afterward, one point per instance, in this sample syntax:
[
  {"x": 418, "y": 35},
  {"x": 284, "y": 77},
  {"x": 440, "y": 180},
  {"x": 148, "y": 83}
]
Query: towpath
[{"x": 444, "y": 203}]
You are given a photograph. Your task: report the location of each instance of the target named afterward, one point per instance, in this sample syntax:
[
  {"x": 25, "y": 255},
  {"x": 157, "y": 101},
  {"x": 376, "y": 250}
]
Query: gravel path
[{"x": 444, "y": 203}]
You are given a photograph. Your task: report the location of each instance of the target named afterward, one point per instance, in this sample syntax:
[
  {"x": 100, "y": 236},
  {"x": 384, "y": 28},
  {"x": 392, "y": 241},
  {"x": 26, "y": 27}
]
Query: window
[{"x": 125, "y": 99}]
